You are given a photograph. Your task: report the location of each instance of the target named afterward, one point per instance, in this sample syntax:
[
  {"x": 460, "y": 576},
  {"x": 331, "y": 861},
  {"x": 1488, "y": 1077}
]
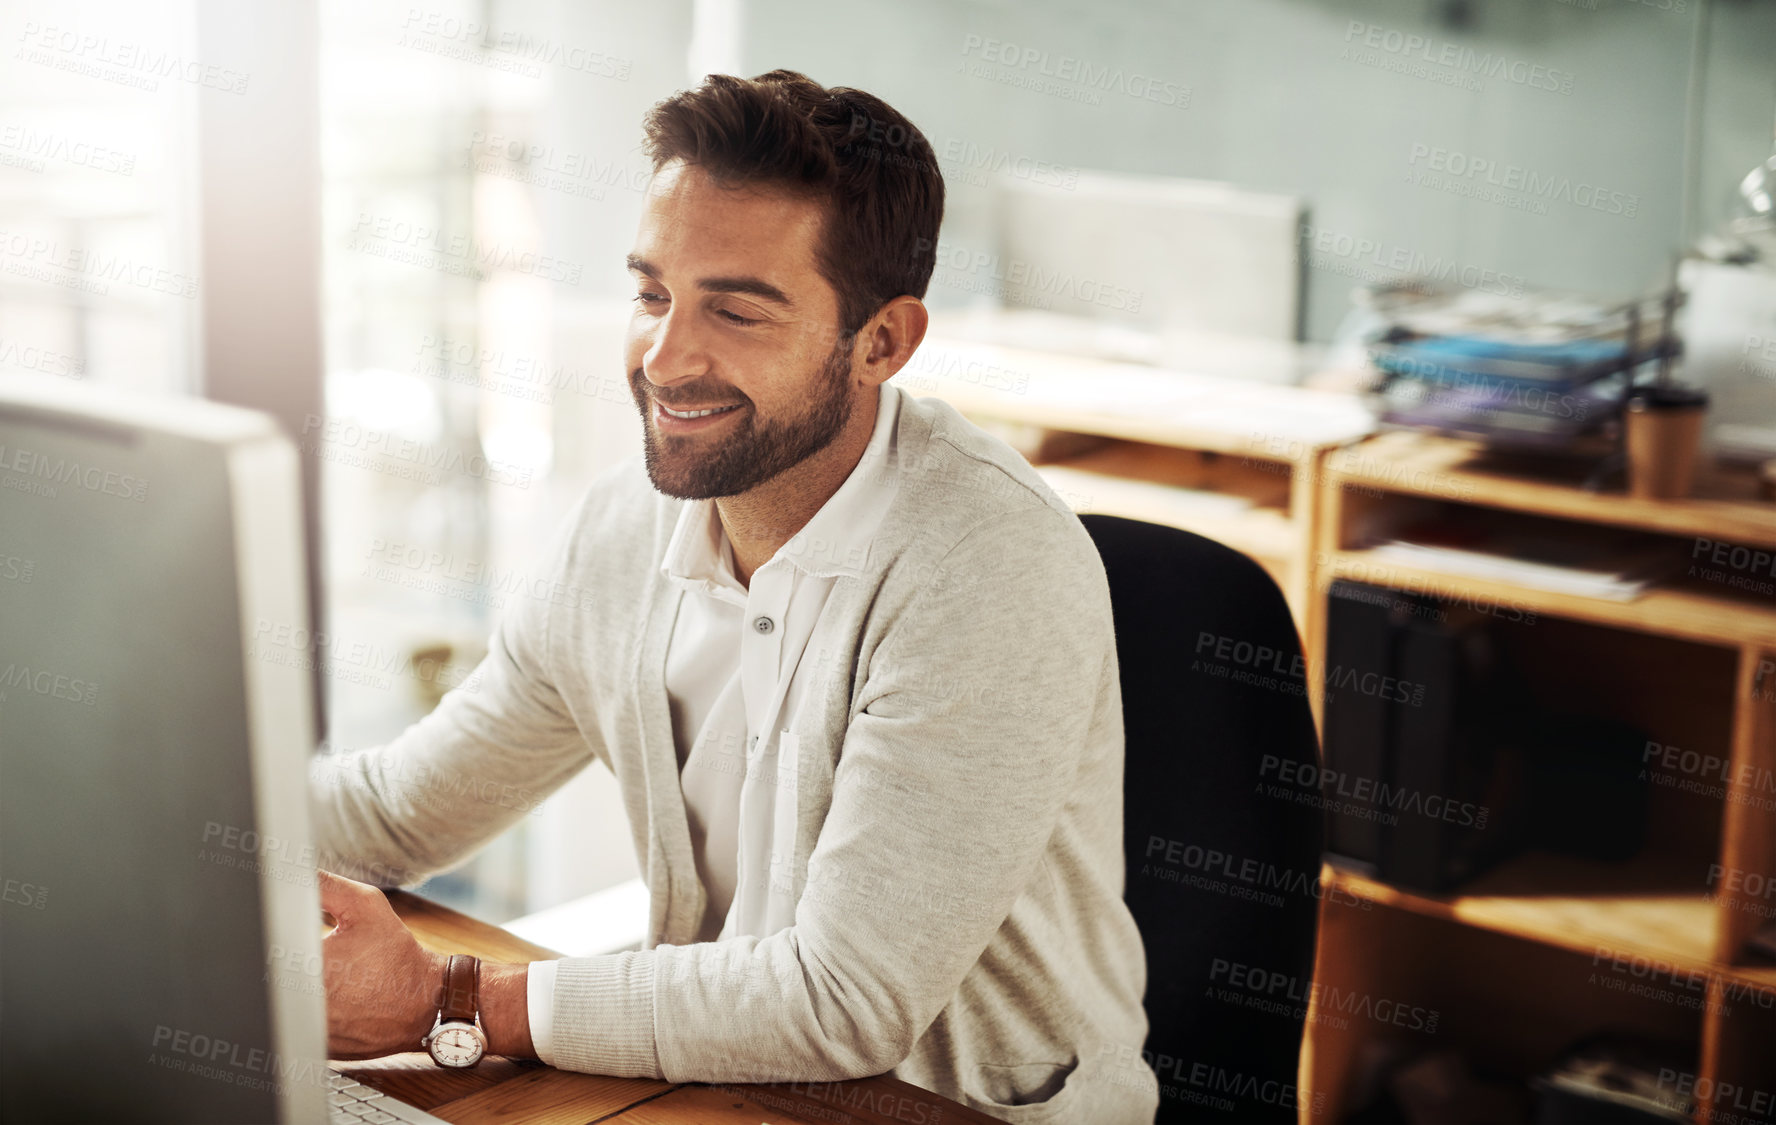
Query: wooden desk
[{"x": 512, "y": 1091}]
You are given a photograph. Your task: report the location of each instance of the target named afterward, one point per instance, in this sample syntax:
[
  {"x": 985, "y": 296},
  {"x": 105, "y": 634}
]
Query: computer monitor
[
  {"x": 160, "y": 929},
  {"x": 1158, "y": 252}
]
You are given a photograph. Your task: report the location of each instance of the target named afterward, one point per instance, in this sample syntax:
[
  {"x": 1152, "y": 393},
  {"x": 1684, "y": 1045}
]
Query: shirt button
[{"x": 763, "y": 624}]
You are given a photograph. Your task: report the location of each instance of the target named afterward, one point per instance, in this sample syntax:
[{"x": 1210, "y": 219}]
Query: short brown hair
[{"x": 873, "y": 170}]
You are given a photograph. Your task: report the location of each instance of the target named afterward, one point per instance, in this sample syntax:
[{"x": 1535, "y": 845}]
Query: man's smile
[{"x": 674, "y": 420}]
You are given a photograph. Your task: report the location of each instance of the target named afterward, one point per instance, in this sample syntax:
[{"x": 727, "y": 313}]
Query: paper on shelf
[
  {"x": 1062, "y": 383},
  {"x": 1622, "y": 582}
]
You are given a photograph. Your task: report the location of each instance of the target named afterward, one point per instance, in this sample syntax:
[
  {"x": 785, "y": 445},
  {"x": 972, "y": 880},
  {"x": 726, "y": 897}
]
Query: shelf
[
  {"x": 1133, "y": 482},
  {"x": 1675, "y": 610},
  {"x": 1135, "y": 402},
  {"x": 1410, "y": 463},
  {"x": 1586, "y": 906}
]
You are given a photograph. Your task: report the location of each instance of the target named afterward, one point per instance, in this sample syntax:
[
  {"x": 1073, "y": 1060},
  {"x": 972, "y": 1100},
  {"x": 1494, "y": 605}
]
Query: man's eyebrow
[{"x": 752, "y": 286}]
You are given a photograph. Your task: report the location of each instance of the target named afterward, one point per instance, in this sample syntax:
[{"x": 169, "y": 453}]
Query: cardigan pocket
[
  {"x": 1027, "y": 1093},
  {"x": 1025, "y": 1084}
]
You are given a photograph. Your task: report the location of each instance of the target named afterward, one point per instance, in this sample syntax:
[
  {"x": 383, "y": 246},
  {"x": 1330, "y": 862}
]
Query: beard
[{"x": 702, "y": 467}]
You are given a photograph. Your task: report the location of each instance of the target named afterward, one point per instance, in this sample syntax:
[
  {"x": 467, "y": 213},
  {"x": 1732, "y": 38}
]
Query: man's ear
[{"x": 894, "y": 334}]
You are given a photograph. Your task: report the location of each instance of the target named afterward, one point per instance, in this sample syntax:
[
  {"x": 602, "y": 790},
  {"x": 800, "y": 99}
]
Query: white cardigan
[{"x": 953, "y": 841}]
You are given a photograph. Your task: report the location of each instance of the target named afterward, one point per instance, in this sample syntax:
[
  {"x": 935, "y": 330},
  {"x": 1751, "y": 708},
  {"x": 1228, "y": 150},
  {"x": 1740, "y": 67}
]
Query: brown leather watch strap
[{"x": 462, "y": 988}]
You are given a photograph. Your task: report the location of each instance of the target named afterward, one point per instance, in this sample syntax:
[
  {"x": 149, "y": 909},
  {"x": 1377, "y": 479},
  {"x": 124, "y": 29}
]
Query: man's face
[{"x": 731, "y": 311}]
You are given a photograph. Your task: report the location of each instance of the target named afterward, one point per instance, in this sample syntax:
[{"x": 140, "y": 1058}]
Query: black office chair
[{"x": 1222, "y": 872}]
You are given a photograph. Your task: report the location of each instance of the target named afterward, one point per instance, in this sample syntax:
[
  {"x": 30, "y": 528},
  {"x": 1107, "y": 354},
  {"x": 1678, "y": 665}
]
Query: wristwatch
[{"x": 456, "y": 1040}]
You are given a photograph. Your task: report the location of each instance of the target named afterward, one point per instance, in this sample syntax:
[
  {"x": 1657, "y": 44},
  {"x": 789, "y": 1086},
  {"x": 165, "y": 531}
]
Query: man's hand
[{"x": 382, "y": 987}]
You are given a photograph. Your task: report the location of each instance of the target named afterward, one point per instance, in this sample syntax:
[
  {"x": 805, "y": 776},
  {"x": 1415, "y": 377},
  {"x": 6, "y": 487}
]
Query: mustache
[{"x": 640, "y": 383}]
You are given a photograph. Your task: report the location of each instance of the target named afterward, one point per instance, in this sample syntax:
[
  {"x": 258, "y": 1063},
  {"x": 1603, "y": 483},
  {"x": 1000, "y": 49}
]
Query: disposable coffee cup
[{"x": 1664, "y": 434}]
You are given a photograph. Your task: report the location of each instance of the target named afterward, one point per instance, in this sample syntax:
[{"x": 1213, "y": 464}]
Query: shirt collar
[{"x": 835, "y": 541}]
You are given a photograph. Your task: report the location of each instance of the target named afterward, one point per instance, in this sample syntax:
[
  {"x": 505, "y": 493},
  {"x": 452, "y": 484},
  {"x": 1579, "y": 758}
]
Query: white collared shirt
[{"x": 735, "y": 674}]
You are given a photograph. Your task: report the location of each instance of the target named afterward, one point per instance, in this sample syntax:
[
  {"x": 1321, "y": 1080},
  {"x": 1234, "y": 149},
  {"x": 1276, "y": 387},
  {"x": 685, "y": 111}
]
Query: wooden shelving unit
[
  {"x": 1236, "y": 462},
  {"x": 1683, "y": 610},
  {"x": 1668, "y": 915},
  {"x": 1590, "y": 908},
  {"x": 1542, "y": 949}
]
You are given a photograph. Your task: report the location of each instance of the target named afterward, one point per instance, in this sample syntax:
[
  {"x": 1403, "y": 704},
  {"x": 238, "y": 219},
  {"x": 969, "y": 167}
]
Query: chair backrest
[{"x": 1222, "y": 824}]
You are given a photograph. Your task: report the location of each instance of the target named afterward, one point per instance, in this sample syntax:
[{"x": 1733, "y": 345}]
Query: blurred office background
[{"x": 472, "y": 178}]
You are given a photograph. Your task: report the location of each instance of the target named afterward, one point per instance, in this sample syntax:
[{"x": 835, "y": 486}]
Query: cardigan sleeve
[{"x": 955, "y": 767}]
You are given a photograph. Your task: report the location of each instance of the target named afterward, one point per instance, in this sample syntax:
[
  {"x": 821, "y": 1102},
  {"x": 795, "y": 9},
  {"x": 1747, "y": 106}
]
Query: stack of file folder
[{"x": 1535, "y": 372}]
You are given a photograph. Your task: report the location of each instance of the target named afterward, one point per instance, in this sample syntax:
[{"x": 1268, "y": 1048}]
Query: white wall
[{"x": 1275, "y": 104}]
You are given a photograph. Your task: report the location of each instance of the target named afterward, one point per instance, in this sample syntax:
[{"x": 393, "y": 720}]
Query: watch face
[{"x": 456, "y": 1044}]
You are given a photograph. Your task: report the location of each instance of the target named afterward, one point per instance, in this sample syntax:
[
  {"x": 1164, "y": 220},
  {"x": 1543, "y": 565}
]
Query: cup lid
[{"x": 1666, "y": 396}]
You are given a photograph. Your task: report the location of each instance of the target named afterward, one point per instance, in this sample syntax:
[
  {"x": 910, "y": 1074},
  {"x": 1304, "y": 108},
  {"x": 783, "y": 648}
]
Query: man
[{"x": 849, "y": 658}]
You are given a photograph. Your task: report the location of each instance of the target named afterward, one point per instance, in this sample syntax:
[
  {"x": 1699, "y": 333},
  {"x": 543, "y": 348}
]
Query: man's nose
[{"x": 675, "y": 350}]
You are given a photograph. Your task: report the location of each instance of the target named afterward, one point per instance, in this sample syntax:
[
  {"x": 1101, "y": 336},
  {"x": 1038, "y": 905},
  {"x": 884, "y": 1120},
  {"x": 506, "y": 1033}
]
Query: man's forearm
[{"x": 505, "y": 1009}]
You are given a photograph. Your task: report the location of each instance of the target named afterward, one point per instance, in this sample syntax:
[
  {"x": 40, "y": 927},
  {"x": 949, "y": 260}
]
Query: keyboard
[{"x": 353, "y": 1103}]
